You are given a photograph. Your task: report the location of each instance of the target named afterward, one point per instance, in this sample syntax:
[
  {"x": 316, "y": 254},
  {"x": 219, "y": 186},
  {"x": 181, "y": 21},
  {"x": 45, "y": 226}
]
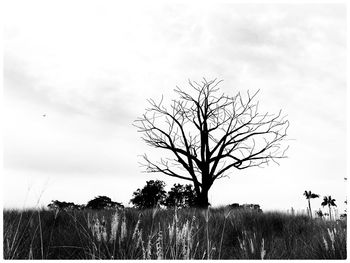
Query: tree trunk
[
  {"x": 202, "y": 199},
  {"x": 310, "y": 208},
  {"x": 330, "y": 212}
]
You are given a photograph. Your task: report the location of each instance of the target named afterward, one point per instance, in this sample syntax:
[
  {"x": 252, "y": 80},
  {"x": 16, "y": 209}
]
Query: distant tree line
[
  {"x": 98, "y": 203},
  {"x": 151, "y": 195},
  {"x": 254, "y": 207}
]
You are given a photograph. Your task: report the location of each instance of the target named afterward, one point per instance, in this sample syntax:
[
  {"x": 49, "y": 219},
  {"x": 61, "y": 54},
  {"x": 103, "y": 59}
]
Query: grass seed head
[
  {"x": 159, "y": 245},
  {"x": 171, "y": 229},
  {"x": 149, "y": 249},
  {"x": 123, "y": 230},
  {"x": 262, "y": 250},
  {"x": 136, "y": 230},
  {"x": 96, "y": 230},
  {"x": 140, "y": 241},
  {"x": 114, "y": 226},
  {"x": 325, "y": 243},
  {"x": 252, "y": 250},
  {"x": 331, "y": 237}
]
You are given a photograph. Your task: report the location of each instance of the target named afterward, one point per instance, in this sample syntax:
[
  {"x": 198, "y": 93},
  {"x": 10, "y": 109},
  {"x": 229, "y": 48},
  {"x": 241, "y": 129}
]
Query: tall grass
[{"x": 217, "y": 233}]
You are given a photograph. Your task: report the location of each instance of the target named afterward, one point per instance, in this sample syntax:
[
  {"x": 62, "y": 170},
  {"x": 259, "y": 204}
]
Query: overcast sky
[{"x": 90, "y": 66}]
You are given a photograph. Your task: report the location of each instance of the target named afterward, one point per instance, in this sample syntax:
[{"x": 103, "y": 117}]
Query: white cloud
[{"x": 91, "y": 67}]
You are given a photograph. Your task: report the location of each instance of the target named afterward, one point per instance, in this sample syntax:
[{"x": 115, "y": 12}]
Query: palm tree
[
  {"x": 330, "y": 202},
  {"x": 309, "y": 196}
]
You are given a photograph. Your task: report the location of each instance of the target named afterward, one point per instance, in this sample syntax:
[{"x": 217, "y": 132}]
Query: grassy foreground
[{"x": 169, "y": 234}]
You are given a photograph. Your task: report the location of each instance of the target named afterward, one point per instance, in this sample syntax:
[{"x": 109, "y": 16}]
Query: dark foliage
[
  {"x": 319, "y": 213},
  {"x": 328, "y": 201},
  {"x": 181, "y": 196},
  {"x": 103, "y": 202},
  {"x": 55, "y": 204},
  {"x": 151, "y": 195},
  {"x": 254, "y": 207},
  {"x": 310, "y": 195}
]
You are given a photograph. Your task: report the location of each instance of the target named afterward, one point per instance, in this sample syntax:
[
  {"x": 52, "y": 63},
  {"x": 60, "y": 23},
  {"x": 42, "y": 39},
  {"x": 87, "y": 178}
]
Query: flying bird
[{"x": 44, "y": 115}]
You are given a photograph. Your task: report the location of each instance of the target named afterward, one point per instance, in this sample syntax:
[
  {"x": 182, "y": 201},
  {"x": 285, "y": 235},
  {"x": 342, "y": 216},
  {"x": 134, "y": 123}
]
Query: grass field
[{"x": 219, "y": 233}]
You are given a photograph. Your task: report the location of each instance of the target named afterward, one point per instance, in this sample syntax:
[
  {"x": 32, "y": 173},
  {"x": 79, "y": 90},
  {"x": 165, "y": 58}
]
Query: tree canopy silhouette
[
  {"x": 181, "y": 196},
  {"x": 208, "y": 133},
  {"x": 328, "y": 201},
  {"x": 103, "y": 202},
  {"x": 309, "y": 195},
  {"x": 151, "y": 195},
  {"x": 55, "y": 204}
]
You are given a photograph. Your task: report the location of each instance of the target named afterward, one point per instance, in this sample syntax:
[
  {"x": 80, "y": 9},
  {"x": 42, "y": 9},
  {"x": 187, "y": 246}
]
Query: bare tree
[{"x": 207, "y": 133}]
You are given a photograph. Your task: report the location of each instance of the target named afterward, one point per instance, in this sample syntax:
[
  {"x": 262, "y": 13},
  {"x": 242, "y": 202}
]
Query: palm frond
[
  {"x": 325, "y": 201},
  {"x": 307, "y": 194},
  {"x": 332, "y": 202}
]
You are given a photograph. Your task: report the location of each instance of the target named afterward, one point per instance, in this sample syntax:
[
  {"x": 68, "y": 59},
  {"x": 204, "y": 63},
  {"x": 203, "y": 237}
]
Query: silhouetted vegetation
[
  {"x": 151, "y": 195},
  {"x": 103, "y": 202},
  {"x": 104, "y": 229},
  {"x": 328, "y": 201},
  {"x": 181, "y": 196},
  {"x": 55, "y": 204},
  {"x": 254, "y": 207},
  {"x": 319, "y": 213},
  {"x": 208, "y": 133},
  {"x": 99, "y": 202},
  {"x": 219, "y": 233},
  {"x": 309, "y": 195}
]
